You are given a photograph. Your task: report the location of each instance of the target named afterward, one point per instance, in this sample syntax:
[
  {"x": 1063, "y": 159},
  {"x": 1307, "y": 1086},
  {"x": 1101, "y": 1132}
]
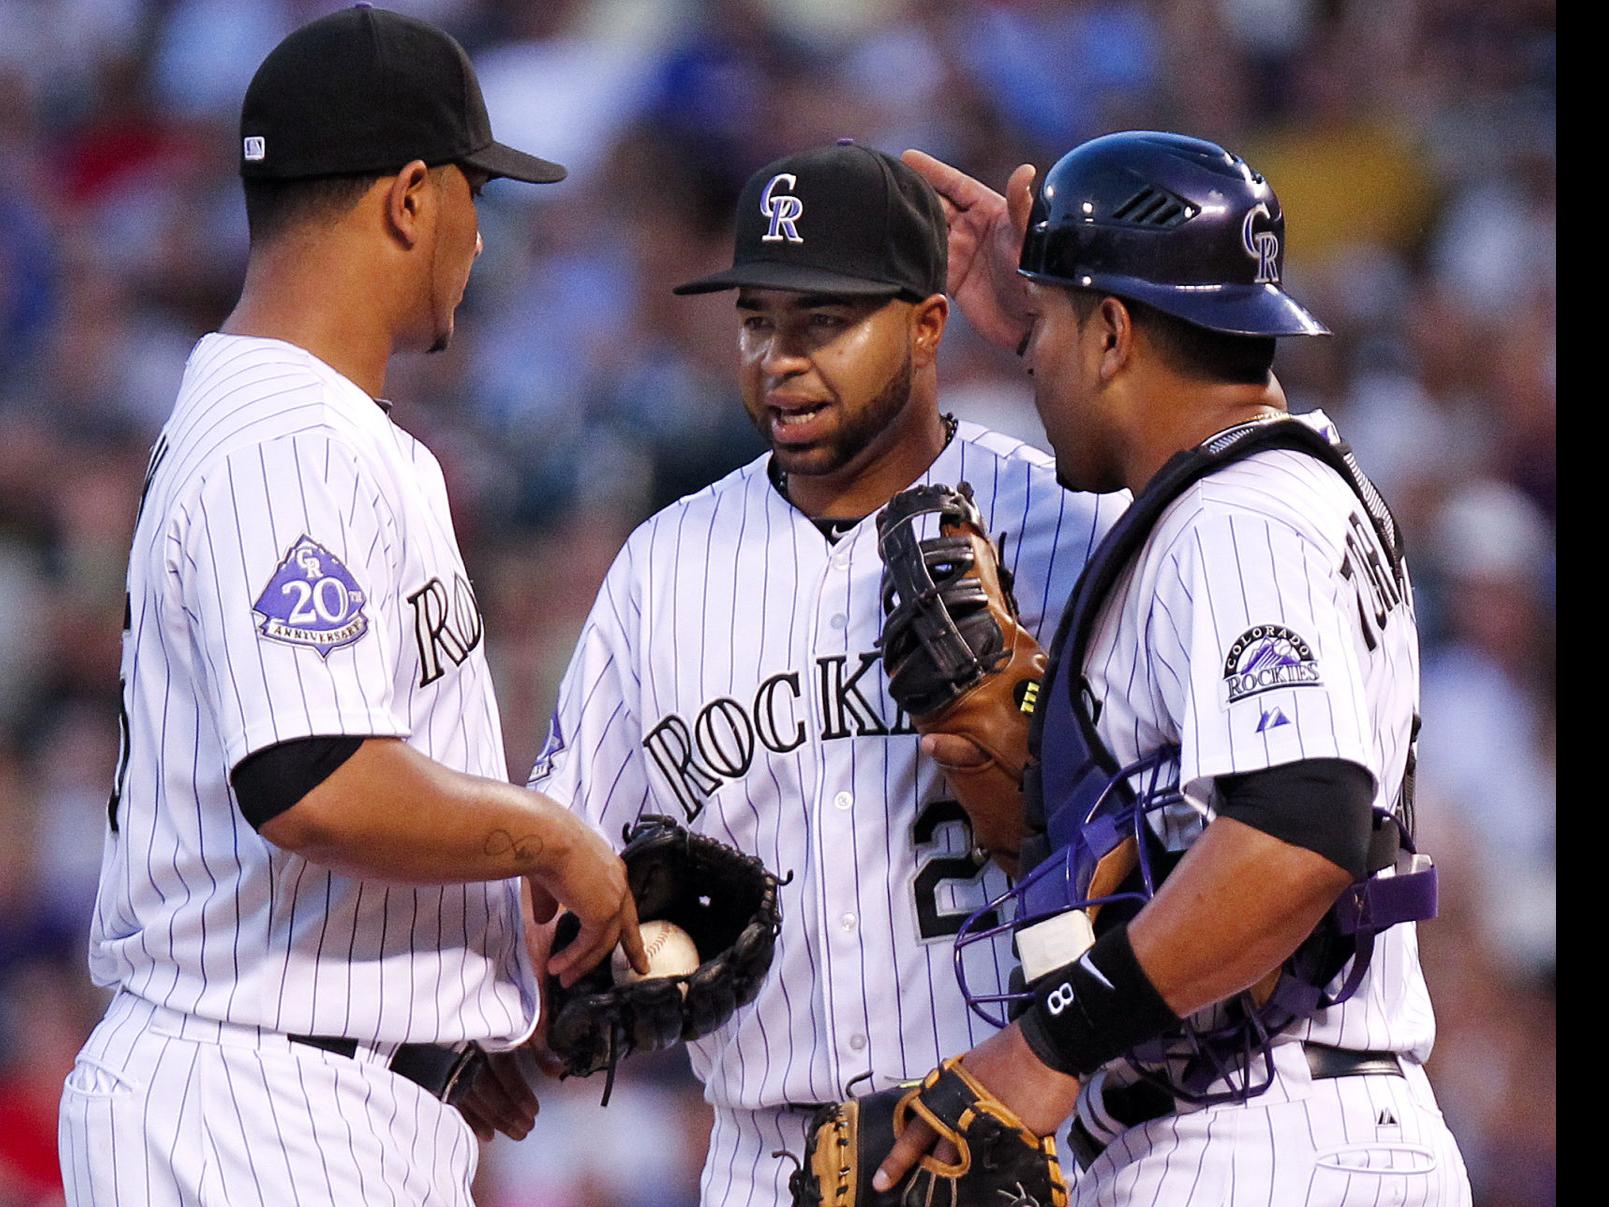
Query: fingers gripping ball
[
  {"x": 671, "y": 953},
  {"x": 958, "y": 660},
  {"x": 723, "y": 903},
  {"x": 1000, "y": 1163}
]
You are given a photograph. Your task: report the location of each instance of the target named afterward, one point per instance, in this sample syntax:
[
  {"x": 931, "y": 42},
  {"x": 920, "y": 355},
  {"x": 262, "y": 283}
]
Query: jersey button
[
  {"x": 848, "y": 922},
  {"x": 857, "y": 1042},
  {"x": 838, "y": 620},
  {"x": 843, "y": 800}
]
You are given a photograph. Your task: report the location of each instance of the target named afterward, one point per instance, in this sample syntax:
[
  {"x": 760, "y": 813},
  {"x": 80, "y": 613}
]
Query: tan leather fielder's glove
[
  {"x": 958, "y": 660},
  {"x": 1000, "y": 1163}
]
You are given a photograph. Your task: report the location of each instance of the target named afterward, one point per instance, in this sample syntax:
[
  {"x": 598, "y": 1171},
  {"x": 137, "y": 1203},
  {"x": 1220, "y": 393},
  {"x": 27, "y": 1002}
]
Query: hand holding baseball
[{"x": 670, "y": 950}]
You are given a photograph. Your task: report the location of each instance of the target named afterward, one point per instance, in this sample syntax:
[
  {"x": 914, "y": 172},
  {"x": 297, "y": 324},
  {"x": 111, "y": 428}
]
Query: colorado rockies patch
[
  {"x": 1265, "y": 658},
  {"x": 312, "y": 600}
]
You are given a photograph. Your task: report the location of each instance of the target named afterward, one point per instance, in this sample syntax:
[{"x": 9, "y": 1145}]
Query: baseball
[{"x": 671, "y": 952}]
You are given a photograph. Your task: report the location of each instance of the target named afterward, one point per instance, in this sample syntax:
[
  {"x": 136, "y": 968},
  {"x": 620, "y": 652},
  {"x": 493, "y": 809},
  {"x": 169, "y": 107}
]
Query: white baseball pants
[
  {"x": 1364, "y": 1141},
  {"x": 163, "y": 1109}
]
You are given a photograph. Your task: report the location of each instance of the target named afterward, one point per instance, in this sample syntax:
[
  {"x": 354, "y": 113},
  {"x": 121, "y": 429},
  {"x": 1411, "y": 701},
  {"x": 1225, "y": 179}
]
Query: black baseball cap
[
  {"x": 369, "y": 90},
  {"x": 844, "y": 219}
]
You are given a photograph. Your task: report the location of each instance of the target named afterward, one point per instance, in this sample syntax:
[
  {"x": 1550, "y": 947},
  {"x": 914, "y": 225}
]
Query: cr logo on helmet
[{"x": 1262, "y": 246}]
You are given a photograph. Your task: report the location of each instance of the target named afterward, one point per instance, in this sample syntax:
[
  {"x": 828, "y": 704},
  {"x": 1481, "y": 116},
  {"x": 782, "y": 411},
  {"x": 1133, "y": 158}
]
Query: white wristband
[{"x": 1057, "y": 941}]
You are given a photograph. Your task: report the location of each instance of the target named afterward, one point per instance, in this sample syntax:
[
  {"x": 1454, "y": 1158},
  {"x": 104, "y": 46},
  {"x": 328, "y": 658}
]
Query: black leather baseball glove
[
  {"x": 1001, "y": 1162},
  {"x": 724, "y": 899}
]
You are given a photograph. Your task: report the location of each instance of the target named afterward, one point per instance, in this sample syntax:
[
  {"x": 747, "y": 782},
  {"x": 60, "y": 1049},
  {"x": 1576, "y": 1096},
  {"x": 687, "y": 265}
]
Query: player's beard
[{"x": 856, "y": 432}]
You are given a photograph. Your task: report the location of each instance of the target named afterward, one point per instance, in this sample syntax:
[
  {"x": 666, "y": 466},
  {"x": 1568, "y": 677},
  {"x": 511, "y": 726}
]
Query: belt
[
  {"x": 1326, "y": 1063},
  {"x": 441, "y": 1072},
  {"x": 1132, "y": 1105}
]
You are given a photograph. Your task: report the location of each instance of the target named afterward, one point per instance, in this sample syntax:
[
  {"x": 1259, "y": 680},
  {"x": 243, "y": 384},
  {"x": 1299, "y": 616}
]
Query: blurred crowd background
[{"x": 1413, "y": 145}]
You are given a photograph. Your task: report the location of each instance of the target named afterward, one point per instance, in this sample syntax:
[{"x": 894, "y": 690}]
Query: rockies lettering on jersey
[
  {"x": 447, "y": 628},
  {"x": 729, "y": 674},
  {"x": 294, "y": 573},
  {"x": 719, "y": 745}
]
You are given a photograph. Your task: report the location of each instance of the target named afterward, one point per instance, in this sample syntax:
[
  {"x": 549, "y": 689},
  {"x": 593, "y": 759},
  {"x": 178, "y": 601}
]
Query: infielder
[
  {"x": 1235, "y": 688},
  {"x": 729, "y": 672},
  {"x": 310, "y": 897}
]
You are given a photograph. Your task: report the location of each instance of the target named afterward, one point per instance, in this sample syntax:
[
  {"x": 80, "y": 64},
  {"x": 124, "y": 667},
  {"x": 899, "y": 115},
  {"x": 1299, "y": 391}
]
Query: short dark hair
[
  {"x": 276, "y": 206},
  {"x": 1191, "y": 350}
]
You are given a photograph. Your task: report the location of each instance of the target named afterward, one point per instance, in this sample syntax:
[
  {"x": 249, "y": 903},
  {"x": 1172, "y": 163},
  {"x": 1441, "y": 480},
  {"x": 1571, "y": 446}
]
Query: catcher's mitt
[
  {"x": 724, "y": 899},
  {"x": 958, "y": 661},
  {"x": 1001, "y": 1162}
]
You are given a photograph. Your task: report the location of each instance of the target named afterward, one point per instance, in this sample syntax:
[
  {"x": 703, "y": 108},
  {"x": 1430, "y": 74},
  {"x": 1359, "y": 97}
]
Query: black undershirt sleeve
[
  {"x": 1321, "y": 805},
  {"x": 272, "y": 780}
]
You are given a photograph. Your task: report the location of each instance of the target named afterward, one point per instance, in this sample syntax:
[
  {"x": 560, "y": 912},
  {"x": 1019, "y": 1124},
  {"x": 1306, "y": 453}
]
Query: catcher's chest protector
[{"x": 1071, "y": 772}]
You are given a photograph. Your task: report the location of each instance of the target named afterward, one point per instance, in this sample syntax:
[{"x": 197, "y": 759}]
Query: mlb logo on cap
[{"x": 365, "y": 90}]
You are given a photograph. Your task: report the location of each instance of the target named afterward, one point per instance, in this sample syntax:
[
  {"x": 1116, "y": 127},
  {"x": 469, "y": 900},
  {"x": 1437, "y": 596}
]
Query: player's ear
[
  {"x": 928, "y": 319},
  {"x": 409, "y": 196},
  {"x": 1114, "y": 329}
]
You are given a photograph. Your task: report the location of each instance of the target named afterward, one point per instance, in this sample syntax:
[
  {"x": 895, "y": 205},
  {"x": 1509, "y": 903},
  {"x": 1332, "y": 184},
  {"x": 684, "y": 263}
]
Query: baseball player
[
  {"x": 310, "y": 898},
  {"x": 729, "y": 673},
  {"x": 1226, "y": 732}
]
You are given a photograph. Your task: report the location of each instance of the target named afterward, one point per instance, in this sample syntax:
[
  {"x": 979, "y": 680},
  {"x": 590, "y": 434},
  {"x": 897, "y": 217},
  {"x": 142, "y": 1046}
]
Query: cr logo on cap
[{"x": 783, "y": 209}]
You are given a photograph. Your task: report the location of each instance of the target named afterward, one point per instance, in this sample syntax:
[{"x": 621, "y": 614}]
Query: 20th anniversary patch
[
  {"x": 1265, "y": 658},
  {"x": 312, "y": 600}
]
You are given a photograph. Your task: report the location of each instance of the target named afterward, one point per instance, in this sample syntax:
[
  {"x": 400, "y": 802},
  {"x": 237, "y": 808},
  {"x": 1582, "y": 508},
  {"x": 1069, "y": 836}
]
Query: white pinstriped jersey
[
  {"x": 294, "y": 573},
  {"x": 1260, "y": 626},
  {"x": 728, "y": 675}
]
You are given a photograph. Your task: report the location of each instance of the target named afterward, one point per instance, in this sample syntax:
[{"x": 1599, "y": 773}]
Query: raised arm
[{"x": 986, "y": 232}]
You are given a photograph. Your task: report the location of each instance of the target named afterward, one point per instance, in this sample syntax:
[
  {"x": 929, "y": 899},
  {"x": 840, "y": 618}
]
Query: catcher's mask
[{"x": 1113, "y": 864}]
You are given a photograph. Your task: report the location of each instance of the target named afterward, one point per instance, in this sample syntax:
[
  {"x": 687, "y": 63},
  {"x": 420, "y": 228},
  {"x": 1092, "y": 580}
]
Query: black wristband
[{"x": 1092, "y": 1011}]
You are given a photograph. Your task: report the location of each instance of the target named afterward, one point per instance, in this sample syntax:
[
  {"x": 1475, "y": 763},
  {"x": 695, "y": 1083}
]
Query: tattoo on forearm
[{"x": 526, "y": 849}]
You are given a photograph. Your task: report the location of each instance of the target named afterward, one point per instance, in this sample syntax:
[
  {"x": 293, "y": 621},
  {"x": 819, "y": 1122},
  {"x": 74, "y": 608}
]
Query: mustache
[{"x": 858, "y": 429}]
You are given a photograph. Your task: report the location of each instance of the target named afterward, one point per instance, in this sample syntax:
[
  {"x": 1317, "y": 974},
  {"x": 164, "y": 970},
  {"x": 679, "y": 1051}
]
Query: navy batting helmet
[{"x": 1176, "y": 223}]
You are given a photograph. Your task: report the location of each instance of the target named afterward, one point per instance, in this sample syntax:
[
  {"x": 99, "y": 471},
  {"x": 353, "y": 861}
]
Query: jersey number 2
[{"x": 931, "y": 921}]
